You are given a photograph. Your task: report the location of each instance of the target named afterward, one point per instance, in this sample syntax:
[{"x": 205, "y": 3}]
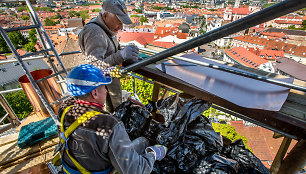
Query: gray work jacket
[
  {"x": 100, "y": 47},
  {"x": 102, "y": 142}
]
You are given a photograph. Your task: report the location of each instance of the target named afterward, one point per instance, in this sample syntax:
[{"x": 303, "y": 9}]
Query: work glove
[
  {"x": 129, "y": 53},
  {"x": 159, "y": 151}
]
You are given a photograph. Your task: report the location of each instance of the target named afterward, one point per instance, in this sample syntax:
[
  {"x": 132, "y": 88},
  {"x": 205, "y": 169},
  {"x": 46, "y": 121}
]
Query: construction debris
[{"x": 193, "y": 145}]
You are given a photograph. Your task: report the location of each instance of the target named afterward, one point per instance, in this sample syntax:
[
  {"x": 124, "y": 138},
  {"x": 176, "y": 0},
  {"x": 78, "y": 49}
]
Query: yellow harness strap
[{"x": 71, "y": 128}]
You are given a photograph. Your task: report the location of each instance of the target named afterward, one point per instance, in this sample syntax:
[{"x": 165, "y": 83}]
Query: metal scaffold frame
[{"x": 47, "y": 47}]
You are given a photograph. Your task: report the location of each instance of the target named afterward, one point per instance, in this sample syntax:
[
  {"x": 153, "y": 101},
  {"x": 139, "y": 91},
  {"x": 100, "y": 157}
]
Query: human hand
[
  {"x": 130, "y": 52},
  {"x": 159, "y": 151}
]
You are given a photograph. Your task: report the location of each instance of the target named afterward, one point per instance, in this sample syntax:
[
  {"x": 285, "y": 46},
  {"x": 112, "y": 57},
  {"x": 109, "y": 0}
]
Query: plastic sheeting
[
  {"x": 193, "y": 145},
  {"x": 242, "y": 91}
]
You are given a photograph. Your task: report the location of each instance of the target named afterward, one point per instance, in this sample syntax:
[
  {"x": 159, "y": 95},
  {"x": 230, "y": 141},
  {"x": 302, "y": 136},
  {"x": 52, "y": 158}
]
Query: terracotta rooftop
[
  {"x": 141, "y": 37},
  {"x": 164, "y": 44},
  {"x": 260, "y": 140},
  {"x": 182, "y": 35},
  {"x": 241, "y": 11},
  {"x": 274, "y": 34},
  {"x": 245, "y": 57},
  {"x": 274, "y": 44},
  {"x": 288, "y": 22},
  {"x": 288, "y": 32},
  {"x": 270, "y": 54}
]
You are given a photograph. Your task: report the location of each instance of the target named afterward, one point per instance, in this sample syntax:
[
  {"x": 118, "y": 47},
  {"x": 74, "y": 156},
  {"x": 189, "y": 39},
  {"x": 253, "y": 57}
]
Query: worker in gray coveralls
[
  {"x": 95, "y": 141},
  {"x": 98, "y": 42}
]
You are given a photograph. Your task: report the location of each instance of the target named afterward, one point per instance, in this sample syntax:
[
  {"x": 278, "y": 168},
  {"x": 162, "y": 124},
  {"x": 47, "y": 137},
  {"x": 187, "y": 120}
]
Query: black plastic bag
[
  {"x": 135, "y": 118},
  {"x": 248, "y": 162},
  {"x": 189, "y": 136},
  {"x": 217, "y": 164}
]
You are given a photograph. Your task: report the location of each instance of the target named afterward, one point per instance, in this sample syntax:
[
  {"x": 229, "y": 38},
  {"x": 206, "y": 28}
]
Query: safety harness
[{"x": 64, "y": 137}]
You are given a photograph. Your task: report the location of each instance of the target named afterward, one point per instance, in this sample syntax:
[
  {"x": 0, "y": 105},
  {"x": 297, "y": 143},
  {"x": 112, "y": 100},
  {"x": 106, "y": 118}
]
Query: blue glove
[
  {"x": 130, "y": 52},
  {"x": 159, "y": 151}
]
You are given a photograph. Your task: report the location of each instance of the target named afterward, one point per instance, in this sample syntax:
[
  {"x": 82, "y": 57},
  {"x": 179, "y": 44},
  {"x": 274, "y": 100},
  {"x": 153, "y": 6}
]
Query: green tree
[
  {"x": 84, "y": 14},
  {"x": 96, "y": 10},
  {"x": 136, "y": 16},
  {"x": 32, "y": 35},
  {"x": 292, "y": 27},
  {"x": 15, "y": 14},
  {"x": 17, "y": 39},
  {"x": 71, "y": 14},
  {"x": 19, "y": 103},
  {"x": 25, "y": 17},
  {"x": 304, "y": 23},
  {"x": 3, "y": 45},
  {"x": 57, "y": 16},
  {"x": 21, "y": 8},
  {"x": 30, "y": 47},
  {"x": 49, "y": 22},
  {"x": 137, "y": 10},
  {"x": 143, "y": 19},
  {"x": 268, "y": 5},
  {"x": 230, "y": 132}
]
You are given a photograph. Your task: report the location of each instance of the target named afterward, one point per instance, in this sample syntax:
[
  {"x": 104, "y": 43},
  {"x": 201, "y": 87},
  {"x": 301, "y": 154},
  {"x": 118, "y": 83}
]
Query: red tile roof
[
  {"x": 274, "y": 44},
  {"x": 164, "y": 44},
  {"x": 274, "y": 34},
  {"x": 241, "y": 11},
  {"x": 260, "y": 140},
  {"x": 245, "y": 57},
  {"x": 165, "y": 31},
  {"x": 270, "y": 54},
  {"x": 288, "y": 22},
  {"x": 141, "y": 37},
  {"x": 182, "y": 35}
]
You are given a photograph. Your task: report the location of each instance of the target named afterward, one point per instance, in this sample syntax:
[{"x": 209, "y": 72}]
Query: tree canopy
[
  {"x": 137, "y": 10},
  {"x": 33, "y": 39},
  {"x": 73, "y": 14},
  {"x": 84, "y": 14},
  {"x": 96, "y": 10},
  {"x": 19, "y": 103},
  {"x": 143, "y": 19},
  {"x": 57, "y": 16},
  {"x": 25, "y": 17},
  {"x": 49, "y": 22}
]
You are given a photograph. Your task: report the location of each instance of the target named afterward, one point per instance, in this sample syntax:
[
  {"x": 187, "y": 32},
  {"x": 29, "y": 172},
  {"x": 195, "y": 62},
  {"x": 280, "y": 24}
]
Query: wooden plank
[
  {"x": 280, "y": 155},
  {"x": 11, "y": 152},
  {"x": 156, "y": 91},
  {"x": 8, "y": 139},
  {"x": 25, "y": 165}
]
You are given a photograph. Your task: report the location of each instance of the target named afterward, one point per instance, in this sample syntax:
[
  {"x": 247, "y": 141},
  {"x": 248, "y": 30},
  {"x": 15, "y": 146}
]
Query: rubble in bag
[
  {"x": 216, "y": 164},
  {"x": 166, "y": 107},
  {"x": 248, "y": 162},
  {"x": 193, "y": 145},
  {"x": 136, "y": 119}
]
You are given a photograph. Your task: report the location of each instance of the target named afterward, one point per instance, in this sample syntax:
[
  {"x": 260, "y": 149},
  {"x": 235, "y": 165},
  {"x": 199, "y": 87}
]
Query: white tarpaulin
[{"x": 242, "y": 91}]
